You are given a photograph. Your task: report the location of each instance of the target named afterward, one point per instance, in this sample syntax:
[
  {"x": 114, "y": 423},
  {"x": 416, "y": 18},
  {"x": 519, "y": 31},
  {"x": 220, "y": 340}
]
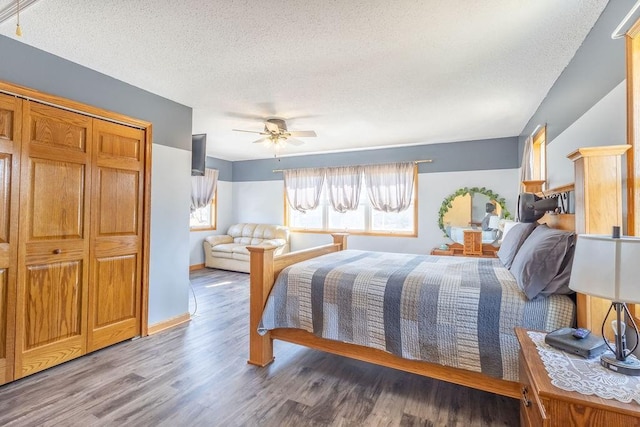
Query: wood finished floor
[{"x": 196, "y": 375}]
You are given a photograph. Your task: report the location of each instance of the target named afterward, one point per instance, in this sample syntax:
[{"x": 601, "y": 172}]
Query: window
[
  {"x": 205, "y": 218},
  {"x": 364, "y": 220},
  {"x": 539, "y": 155}
]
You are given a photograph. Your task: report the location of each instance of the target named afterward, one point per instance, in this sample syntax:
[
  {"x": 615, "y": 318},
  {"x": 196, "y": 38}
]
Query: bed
[
  {"x": 454, "y": 311},
  {"x": 470, "y": 291}
]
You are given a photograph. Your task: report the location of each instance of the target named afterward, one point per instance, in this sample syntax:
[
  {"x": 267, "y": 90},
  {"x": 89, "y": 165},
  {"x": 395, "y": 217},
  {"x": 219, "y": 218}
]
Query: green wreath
[{"x": 446, "y": 204}]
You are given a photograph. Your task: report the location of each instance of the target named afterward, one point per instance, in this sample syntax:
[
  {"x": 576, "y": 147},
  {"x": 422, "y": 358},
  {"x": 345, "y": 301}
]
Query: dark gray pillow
[
  {"x": 513, "y": 240},
  {"x": 542, "y": 266}
]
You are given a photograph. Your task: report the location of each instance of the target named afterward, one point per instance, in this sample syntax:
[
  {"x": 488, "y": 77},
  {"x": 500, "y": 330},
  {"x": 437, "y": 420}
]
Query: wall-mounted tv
[{"x": 198, "y": 153}]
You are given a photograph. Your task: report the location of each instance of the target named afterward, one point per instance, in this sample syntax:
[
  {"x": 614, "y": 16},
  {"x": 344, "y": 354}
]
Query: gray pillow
[
  {"x": 513, "y": 240},
  {"x": 542, "y": 266}
]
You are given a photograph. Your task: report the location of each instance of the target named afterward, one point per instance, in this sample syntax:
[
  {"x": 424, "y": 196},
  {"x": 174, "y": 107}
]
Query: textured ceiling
[{"x": 361, "y": 73}]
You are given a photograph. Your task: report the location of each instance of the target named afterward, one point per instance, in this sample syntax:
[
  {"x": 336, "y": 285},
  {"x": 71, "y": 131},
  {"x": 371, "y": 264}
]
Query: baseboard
[
  {"x": 196, "y": 267},
  {"x": 169, "y": 323}
]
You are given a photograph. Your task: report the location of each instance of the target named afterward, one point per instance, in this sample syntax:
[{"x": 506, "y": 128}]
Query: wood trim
[
  {"x": 533, "y": 185},
  {"x": 539, "y": 153},
  {"x": 196, "y": 267},
  {"x": 559, "y": 189},
  {"x": 382, "y": 358},
  {"x": 565, "y": 222},
  {"x": 169, "y": 323},
  {"x": 69, "y": 104},
  {"x": 146, "y": 241},
  {"x": 633, "y": 138},
  {"x": 606, "y": 150}
]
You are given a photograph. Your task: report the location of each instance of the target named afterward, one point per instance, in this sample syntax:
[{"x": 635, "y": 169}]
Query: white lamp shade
[{"x": 607, "y": 268}]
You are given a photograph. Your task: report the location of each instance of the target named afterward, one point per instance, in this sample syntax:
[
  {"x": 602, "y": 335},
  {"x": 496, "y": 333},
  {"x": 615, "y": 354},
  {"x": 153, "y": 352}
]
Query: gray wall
[
  {"x": 500, "y": 153},
  {"x": 224, "y": 167},
  {"x": 34, "y": 68},
  {"x": 595, "y": 70}
]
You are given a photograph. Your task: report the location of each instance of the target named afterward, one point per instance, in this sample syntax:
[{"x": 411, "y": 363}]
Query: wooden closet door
[
  {"x": 116, "y": 234},
  {"x": 54, "y": 238},
  {"x": 10, "y": 140}
]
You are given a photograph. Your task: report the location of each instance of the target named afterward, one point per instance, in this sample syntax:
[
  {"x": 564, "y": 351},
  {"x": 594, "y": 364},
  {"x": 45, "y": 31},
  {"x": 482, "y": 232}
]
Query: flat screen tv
[{"x": 198, "y": 153}]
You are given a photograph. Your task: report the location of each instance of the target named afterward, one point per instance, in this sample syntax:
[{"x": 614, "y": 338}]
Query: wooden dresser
[
  {"x": 544, "y": 405},
  {"x": 456, "y": 249}
]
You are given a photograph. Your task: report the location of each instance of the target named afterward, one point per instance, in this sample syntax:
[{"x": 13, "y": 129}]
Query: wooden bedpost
[
  {"x": 261, "y": 281},
  {"x": 341, "y": 239}
]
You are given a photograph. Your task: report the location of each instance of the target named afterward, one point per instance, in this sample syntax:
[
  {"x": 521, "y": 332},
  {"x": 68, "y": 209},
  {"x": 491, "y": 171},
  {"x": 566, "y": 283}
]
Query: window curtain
[
  {"x": 344, "y": 185},
  {"x": 303, "y": 187},
  {"x": 203, "y": 189},
  {"x": 526, "y": 166},
  {"x": 390, "y": 186}
]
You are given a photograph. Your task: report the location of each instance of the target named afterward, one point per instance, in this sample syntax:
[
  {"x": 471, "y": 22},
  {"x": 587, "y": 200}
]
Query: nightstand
[{"x": 542, "y": 404}]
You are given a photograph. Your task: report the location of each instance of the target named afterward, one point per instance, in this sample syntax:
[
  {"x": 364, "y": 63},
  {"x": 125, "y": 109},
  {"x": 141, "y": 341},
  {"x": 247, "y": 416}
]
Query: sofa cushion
[
  {"x": 229, "y": 248},
  {"x": 257, "y": 231},
  {"x": 241, "y": 257}
]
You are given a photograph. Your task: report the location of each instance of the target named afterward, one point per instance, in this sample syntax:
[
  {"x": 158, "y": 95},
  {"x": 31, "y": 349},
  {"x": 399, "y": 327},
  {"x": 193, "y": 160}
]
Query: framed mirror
[{"x": 472, "y": 208}]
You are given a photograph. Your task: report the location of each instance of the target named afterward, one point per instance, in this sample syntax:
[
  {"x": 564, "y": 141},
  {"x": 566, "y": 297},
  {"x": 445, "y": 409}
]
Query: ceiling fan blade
[
  {"x": 258, "y": 141},
  {"x": 248, "y": 131},
  {"x": 272, "y": 127},
  {"x": 294, "y": 141},
  {"x": 302, "y": 133}
]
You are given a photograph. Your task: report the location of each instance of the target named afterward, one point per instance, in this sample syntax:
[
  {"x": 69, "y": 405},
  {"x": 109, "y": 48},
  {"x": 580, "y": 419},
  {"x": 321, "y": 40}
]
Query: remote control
[{"x": 581, "y": 333}]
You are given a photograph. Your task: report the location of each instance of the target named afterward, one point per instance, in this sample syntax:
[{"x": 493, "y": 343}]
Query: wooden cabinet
[
  {"x": 73, "y": 234},
  {"x": 542, "y": 404},
  {"x": 456, "y": 249}
]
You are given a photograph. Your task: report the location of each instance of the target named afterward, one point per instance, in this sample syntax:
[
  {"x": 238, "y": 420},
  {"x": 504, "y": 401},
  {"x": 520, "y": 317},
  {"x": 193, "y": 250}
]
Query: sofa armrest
[{"x": 218, "y": 239}]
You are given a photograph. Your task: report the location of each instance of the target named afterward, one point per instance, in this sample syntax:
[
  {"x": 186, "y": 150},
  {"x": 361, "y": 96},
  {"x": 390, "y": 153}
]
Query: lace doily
[{"x": 586, "y": 376}]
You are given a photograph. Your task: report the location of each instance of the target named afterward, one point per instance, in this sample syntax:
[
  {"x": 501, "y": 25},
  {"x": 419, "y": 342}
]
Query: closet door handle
[{"x": 57, "y": 251}]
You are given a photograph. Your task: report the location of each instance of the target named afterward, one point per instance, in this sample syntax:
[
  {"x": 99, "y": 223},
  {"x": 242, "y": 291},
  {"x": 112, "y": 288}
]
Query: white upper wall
[{"x": 603, "y": 124}]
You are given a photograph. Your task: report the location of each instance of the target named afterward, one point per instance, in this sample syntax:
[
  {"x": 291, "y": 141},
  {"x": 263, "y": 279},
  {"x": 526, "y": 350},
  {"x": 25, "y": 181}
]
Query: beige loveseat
[{"x": 229, "y": 251}]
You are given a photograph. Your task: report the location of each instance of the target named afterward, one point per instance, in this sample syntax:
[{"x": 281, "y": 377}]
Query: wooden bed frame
[
  {"x": 265, "y": 268},
  {"x": 596, "y": 211}
]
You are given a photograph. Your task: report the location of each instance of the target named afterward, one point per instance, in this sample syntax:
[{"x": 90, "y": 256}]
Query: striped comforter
[{"x": 454, "y": 311}]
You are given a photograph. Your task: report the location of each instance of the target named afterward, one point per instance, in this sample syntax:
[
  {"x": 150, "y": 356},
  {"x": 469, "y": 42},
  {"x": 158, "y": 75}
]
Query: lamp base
[{"x": 629, "y": 366}]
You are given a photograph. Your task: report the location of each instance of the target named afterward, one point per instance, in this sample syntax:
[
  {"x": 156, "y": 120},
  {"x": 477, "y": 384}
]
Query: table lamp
[{"x": 609, "y": 267}]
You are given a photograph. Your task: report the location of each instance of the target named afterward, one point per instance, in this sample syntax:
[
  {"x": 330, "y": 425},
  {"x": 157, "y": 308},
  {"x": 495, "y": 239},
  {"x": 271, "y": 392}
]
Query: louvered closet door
[
  {"x": 10, "y": 139},
  {"x": 116, "y": 234},
  {"x": 54, "y": 238}
]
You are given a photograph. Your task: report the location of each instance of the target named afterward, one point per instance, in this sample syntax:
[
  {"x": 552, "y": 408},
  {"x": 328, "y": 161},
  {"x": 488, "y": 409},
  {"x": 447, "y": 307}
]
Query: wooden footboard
[{"x": 265, "y": 268}]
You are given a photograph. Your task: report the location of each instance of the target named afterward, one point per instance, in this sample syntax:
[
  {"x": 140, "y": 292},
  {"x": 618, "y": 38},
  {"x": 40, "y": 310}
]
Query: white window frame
[{"x": 212, "y": 221}]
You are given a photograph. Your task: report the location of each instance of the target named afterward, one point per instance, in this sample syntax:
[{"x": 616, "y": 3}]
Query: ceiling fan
[{"x": 277, "y": 135}]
